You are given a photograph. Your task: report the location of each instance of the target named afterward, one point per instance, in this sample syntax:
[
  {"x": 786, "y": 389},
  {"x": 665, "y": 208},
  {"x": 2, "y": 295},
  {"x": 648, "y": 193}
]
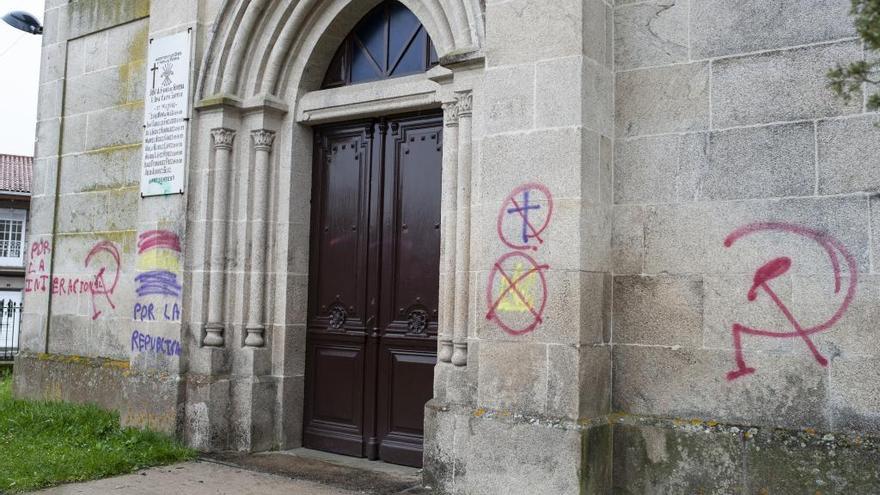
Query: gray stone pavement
[
  {"x": 197, "y": 478},
  {"x": 291, "y": 473}
]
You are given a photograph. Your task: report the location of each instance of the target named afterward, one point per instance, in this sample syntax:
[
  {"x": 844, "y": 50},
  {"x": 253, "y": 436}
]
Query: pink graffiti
[
  {"x": 38, "y": 280},
  {"x": 100, "y": 288},
  {"x": 155, "y": 239},
  {"x": 513, "y": 284},
  {"x": 778, "y": 267},
  {"x": 527, "y": 210},
  {"x": 40, "y": 248}
]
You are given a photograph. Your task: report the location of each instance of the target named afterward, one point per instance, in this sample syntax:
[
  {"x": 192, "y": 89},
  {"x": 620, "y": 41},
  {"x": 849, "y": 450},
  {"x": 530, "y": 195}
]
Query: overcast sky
[{"x": 19, "y": 80}]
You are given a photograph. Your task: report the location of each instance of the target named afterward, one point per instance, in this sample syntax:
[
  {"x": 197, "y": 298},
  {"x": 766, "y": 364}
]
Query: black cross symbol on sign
[{"x": 153, "y": 69}]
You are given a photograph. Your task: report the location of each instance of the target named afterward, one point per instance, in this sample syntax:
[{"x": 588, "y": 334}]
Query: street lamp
[{"x": 24, "y": 22}]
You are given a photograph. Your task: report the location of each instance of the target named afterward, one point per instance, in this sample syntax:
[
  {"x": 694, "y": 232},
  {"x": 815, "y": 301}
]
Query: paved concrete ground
[
  {"x": 290, "y": 473},
  {"x": 347, "y": 473},
  {"x": 197, "y": 478}
]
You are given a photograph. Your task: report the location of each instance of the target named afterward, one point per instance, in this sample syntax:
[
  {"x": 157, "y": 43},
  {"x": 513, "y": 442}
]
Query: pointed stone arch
[{"x": 262, "y": 47}]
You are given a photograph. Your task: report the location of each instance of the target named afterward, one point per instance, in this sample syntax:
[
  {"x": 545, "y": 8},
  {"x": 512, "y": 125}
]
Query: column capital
[
  {"x": 222, "y": 137},
  {"x": 465, "y": 103},
  {"x": 263, "y": 139},
  {"x": 450, "y": 114}
]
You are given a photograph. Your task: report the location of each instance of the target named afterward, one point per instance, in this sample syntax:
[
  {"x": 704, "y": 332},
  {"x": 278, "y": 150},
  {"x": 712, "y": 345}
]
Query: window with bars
[{"x": 12, "y": 224}]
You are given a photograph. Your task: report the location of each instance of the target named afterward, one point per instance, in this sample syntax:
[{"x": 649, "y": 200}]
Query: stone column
[
  {"x": 255, "y": 328},
  {"x": 447, "y": 272},
  {"x": 464, "y": 106},
  {"x": 215, "y": 326}
]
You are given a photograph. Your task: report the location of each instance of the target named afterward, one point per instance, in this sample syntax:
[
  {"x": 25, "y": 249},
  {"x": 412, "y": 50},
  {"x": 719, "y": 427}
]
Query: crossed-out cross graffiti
[
  {"x": 528, "y": 229},
  {"x": 517, "y": 288},
  {"x": 774, "y": 269},
  {"x": 530, "y": 218}
]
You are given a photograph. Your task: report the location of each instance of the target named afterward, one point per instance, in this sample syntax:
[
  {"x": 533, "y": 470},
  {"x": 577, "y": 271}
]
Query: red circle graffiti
[
  {"x": 513, "y": 285},
  {"x": 529, "y": 230},
  {"x": 777, "y": 267},
  {"x": 100, "y": 286}
]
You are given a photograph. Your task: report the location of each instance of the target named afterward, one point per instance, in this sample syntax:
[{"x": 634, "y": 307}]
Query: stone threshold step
[{"x": 344, "y": 472}]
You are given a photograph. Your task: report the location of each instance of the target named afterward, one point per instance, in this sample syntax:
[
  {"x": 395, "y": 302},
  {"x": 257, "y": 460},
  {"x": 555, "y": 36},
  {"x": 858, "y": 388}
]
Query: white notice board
[{"x": 166, "y": 115}]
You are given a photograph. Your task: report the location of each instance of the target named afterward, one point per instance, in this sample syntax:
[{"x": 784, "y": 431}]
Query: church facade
[{"x": 573, "y": 246}]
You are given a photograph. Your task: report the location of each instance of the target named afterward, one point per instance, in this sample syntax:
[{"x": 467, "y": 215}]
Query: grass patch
[{"x": 49, "y": 443}]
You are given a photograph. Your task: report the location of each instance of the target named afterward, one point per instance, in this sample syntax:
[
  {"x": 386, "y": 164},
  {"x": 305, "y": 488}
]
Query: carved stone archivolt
[{"x": 456, "y": 27}]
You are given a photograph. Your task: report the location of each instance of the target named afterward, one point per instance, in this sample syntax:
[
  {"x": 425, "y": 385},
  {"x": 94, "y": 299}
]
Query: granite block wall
[
  {"x": 90, "y": 333},
  {"x": 744, "y": 198},
  {"x": 707, "y": 276}
]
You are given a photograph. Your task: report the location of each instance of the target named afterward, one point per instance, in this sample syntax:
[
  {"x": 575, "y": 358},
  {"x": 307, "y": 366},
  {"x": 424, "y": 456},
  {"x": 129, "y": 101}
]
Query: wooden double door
[{"x": 373, "y": 286}]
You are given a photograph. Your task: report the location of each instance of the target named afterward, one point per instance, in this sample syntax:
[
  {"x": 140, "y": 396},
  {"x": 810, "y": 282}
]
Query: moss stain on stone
[
  {"x": 105, "y": 363},
  {"x": 88, "y": 16},
  {"x": 596, "y": 460},
  {"x": 109, "y": 150},
  {"x": 109, "y": 187},
  {"x": 131, "y": 85},
  {"x": 121, "y": 237}
]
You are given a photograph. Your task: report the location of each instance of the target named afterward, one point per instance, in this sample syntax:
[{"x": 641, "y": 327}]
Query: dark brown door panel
[
  {"x": 334, "y": 395},
  {"x": 340, "y": 220},
  {"x": 406, "y": 371},
  {"x": 411, "y": 220},
  {"x": 373, "y": 286}
]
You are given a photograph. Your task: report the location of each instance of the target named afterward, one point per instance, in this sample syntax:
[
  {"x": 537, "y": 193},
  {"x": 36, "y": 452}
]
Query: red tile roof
[{"x": 15, "y": 173}]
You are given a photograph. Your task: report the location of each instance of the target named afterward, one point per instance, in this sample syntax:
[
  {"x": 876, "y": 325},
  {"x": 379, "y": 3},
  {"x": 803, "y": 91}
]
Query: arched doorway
[
  {"x": 264, "y": 99},
  {"x": 374, "y": 256}
]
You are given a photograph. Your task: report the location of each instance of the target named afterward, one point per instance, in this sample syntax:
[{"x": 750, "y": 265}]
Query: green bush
[{"x": 847, "y": 80}]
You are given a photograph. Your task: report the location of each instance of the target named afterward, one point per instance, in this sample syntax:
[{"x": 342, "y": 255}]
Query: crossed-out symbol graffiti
[
  {"x": 517, "y": 289},
  {"x": 523, "y": 208},
  {"x": 777, "y": 267}
]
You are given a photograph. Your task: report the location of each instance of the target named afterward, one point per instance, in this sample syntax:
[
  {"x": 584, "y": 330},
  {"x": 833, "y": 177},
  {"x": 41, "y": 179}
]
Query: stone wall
[
  {"x": 90, "y": 232},
  {"x": 539, "y": 360},
  {"x": 631, "y": 167},
  {"x": 724, "y": 122}
]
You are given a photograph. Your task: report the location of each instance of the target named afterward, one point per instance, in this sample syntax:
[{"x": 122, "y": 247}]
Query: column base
[
  {"x": 255, "y": 336},
  {"x": 444, "y": 354},
  {"x": 460, "y": 354},
  {"x": 214, "y": 335}
]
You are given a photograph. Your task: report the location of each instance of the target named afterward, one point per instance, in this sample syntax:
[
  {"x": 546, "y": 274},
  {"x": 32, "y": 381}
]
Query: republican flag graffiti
[{"x": 159, "y": 262}]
